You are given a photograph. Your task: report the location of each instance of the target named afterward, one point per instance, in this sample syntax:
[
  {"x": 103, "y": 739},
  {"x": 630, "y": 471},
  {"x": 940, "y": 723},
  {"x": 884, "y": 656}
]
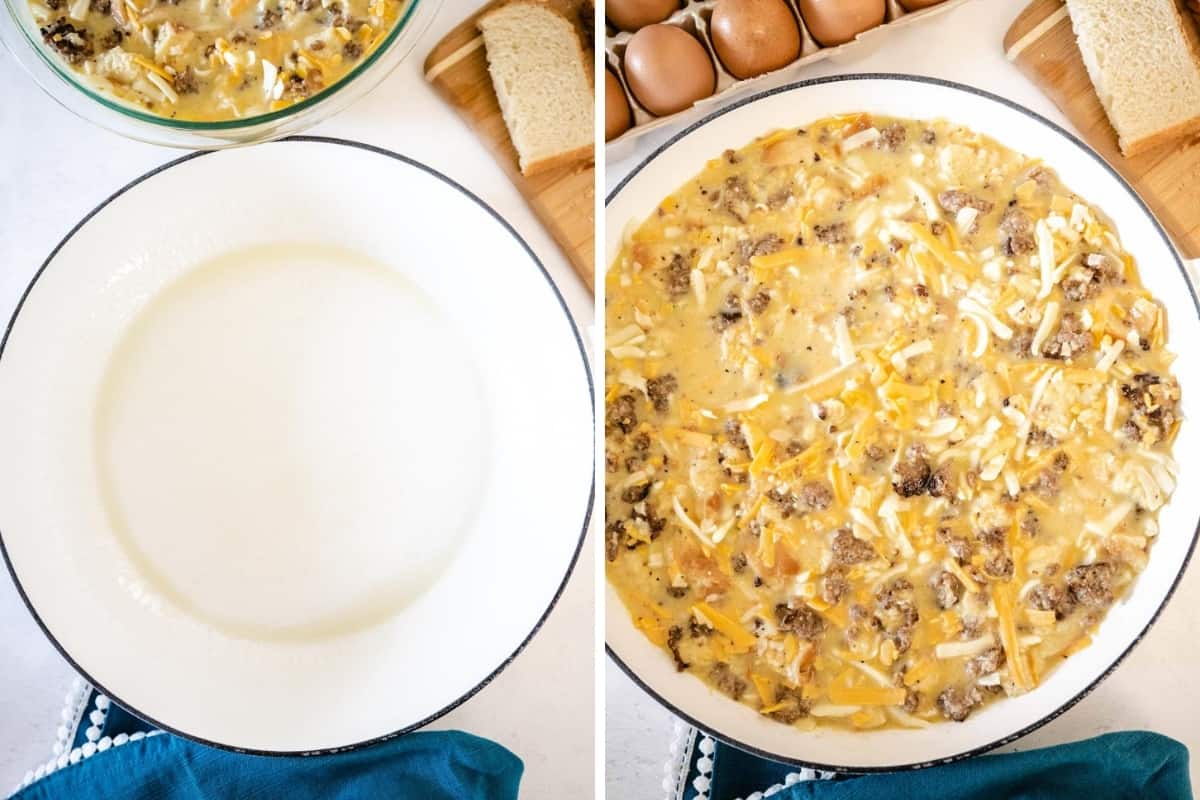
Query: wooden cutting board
[
  {"x": 1042, "y": 44},
  {"x": 562, "y": 198}
]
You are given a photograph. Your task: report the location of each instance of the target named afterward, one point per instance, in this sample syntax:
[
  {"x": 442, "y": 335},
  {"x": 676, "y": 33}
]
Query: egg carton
[{"x": 694, "y": 18}]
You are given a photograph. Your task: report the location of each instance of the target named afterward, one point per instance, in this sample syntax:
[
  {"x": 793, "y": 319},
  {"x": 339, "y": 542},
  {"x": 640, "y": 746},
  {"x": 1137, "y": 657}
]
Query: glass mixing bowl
[{"x": 19, "y": 33}]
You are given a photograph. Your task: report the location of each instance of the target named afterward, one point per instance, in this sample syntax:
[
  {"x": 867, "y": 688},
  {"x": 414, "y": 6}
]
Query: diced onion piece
[
  {"x": 860, "y": 139},
  {"x": 1048, "y": 323},
  {"x": 831, "y": 710},
  {"x": 972, "y": 306},
  {"x": 1110, "y": 356},
  {"x": 746, "y": 404},
  {"x": 1110, "y": 522},
  {"x": 971, "y": 647},
  {"x": 1045, "y": 242},
  {"x": 699, "y": 288},
  {"x": 842, "y": 341}
]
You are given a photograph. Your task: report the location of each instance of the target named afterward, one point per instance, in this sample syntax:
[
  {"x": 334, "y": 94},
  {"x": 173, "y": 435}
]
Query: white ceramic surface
[
  {"x": 320, "y": 691},
  {"x": 679, "y": 160}
]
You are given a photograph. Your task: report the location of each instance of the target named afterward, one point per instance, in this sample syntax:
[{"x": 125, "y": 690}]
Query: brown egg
[
  {"x": 834, "y": 22},
  {"x": 668, "y": 69},
  {"x": 917, "y": 5},
  {"x": 754, "y": 36},
  {"x": 631, "y": 15},
  {"x": 617, "y": 118}
]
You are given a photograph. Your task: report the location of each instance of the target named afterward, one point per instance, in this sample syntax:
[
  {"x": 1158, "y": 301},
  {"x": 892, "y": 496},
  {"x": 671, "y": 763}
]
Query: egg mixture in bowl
[
  {"x": 213, "y": 60},
  {"x": 889, "y": 423}
]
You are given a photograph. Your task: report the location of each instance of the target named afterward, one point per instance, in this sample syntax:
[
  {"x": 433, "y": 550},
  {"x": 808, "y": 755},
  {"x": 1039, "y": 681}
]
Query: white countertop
[
  {"x": 55, "y": 168},
  {"x": 1155, "y": 689}
]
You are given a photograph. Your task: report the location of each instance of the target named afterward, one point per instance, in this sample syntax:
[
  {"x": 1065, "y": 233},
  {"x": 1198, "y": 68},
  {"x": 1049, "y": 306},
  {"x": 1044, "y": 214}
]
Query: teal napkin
[
  {"x": 113, "y": 755},
  {"x": 1135, "y": 764}
]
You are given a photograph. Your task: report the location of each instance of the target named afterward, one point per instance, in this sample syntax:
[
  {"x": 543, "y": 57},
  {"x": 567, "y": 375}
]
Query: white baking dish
[{"x": 1164, "y": 275}]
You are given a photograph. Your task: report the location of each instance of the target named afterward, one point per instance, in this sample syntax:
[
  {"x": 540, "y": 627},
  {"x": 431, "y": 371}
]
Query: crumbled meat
[
  {"x": 621, "y": 413},
  {"x": 1021, "y": 343},
  {"x": 1031, "y": 525},
  {"x": 728, "y": 314},
  {"x": 738, "y": 562},
  {"x": 268, "y": 20},
  {"x": 1091, "y": 585},
  {"x": 875, "y": 452},
  {"x": 985, "y": 663},
  {"x": 762, "y": 246},
  {"x": 797, "y": 707},
  {"x": 849, "y": 549},
  {"x": 912, "y": 701},
  {"x": 636, "y": 493},
  {"x": 1049, "y": 480},
  {"x": 941, "y": 482},
  {"x": 186, "y": 82},
  {"x": 73, "y": 44},
  {"x": 896, "y": 613},
  {"x": 352, "y": 50},
  {"x": 758, "y": 302},
  {"x": 991, "y": 535},
  {"x": 1070, "y": 341},
  {"x": 957, "y": 546},
  {"x": 780, "y": 496},
  {"x": 912, "y": 472},
  {"x": 660, "y": 389},
  {"x": 114, "y": 38},
  {"x": 614, "y": 535},
  {"x": 673, "y": 638},
  {"x": 678, "y": 278},
  {"x": 1155, "y": 407},
  {"x": 1085, "y": 280},
  {"x": 734, "y": 198},
  {"x": 55, "y": 5},
  {"x": 1048, "y": 597},
  {"x": 892, "y": 137},
  {"x": 999, "y": 566},
  {"x": 947, "y": 588},
  {"x": 726, "y": 680},
  {"x": 803, "y": 621},
  {"x": 928, "y": 136},
  {"x": 733, "y": 432},
  {"x": 834, "y": 587},
  {"x": 780, "y": 198},
  {"x": 833, "y": 233},
  {"x": 957, "y": 703},
  {"x": 1040, "y": 437},
  {"x": 698, "y": 630},
  {"x": 1016, "y": 232},
  {"x": 816, "y": 495},
  {"x": 955, "y": 200},
  {"x": 306, "y": 86}
]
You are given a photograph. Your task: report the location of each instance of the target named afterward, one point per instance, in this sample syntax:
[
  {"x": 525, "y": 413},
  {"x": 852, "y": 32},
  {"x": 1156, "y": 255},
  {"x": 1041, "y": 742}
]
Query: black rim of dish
[
  {"x": 904, "y": 78},
  {"x": 583, "y": 527}
]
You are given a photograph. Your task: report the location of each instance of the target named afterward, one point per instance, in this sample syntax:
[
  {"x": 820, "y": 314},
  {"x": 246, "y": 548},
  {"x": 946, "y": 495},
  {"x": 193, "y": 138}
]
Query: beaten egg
[
  {"x": 834, "y": 22},
  {"x": 616, "y": 108},
  {"x": 668, "y": 69},
  {"x": 752, "y": 37},
  {"x": 631, "y": 15}
]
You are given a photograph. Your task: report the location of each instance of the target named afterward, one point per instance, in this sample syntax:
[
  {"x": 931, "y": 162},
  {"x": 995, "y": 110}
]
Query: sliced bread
[
  {"x": 1144, "y": 59},
  {"x": 542, "y": 80}
]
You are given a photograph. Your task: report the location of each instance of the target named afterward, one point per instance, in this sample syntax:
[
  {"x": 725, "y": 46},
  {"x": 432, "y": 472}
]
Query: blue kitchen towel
[
  {"x": 1134, "y": 764},
  {"x": 115, "y": 756}
]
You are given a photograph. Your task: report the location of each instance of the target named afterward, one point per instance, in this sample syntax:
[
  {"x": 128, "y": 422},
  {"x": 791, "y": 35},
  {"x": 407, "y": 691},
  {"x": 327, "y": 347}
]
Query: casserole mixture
[
  {"x": 889, "y": 419},
  {"x": 209, "y": 60}
]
